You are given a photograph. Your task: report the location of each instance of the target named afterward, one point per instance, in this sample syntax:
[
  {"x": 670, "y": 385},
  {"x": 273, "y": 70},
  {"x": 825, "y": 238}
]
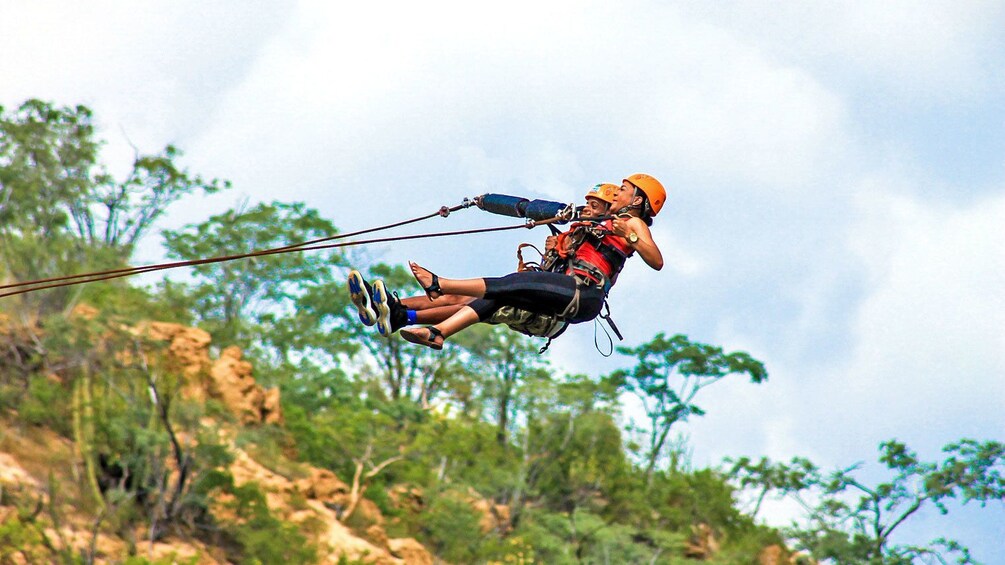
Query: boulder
[
  {"x": 322, "y": 485},
  {"x": 410, "y": 551}
]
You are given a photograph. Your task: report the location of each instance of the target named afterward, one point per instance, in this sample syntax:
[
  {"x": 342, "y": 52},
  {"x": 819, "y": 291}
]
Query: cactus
[{"x": 83, "y": 432}]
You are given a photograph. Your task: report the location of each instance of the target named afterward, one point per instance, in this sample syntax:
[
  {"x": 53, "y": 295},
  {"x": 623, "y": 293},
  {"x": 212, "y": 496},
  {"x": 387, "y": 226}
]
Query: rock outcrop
[
  {"x": 308, "y": 496},
  {"x": 188, "y": 347},
  {"x": 325, "y": 495},
  {"x": 410, "y": 551},
  {"x": 231, "y": 382},
  {"x": 228, "y": 379},
  {"x": 494, "y": 517}
]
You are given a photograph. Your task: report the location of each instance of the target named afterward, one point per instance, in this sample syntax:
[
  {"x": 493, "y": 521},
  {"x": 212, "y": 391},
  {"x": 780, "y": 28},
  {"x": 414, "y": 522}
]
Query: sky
[{"x": 835, "y": 171}]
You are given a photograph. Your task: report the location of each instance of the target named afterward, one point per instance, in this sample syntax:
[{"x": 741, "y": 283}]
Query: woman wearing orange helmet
[
  {"x": 577, "y": 295},
  {"x": 639, "y": 199}
]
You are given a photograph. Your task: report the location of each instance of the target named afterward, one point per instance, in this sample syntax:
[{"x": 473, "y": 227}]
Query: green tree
[
  {"x": 404, "y": 371},
  {"x": 503, "y": 359},
  {"x": 852, "y": 522},
  {"x": 144, "y": 450},
  {"x": 61, "y": 212},
  {"x": 667, "y": 378},
  {"x": 455, "y": 449},
  {"x": 233, "y": 299},
  {"x": 450, "y": 527},
  {"x": 779, "y": 479},
  {"x": 570, "y": 446}
]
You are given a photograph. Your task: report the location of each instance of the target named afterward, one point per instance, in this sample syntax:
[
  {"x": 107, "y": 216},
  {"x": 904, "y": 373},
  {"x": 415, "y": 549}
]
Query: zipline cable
[
  {"x": 108, "y": 275},
  {"x": 443, "y": 211},
  {"x": 70, "y": 280}
]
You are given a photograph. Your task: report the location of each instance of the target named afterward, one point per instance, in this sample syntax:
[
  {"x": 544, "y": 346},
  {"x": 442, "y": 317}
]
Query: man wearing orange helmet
[
  {"x": 578, "y": 294},
  {"x": 388, "y": 313},
  {"x": 599, "y": 201}
]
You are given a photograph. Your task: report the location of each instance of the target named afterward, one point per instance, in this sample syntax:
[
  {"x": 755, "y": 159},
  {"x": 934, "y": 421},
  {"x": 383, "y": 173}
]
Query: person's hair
[{"x": 645, "y": 209}]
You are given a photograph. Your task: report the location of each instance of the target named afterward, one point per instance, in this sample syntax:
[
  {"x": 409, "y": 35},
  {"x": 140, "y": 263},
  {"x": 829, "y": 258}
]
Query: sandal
[
  {"x": 428, "y": 338},
  {"x": 434, "y": 285}
]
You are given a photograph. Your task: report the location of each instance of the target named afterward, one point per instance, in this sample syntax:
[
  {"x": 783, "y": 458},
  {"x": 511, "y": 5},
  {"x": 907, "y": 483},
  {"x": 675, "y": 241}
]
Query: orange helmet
[
  {"x": 652, "y": 188},
  {"x": 603, "y": 191}
]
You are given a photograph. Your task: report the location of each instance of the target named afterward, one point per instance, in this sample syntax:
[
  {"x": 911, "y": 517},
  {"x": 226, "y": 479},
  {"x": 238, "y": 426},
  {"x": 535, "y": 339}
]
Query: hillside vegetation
[{"x": 241, "y": 414}]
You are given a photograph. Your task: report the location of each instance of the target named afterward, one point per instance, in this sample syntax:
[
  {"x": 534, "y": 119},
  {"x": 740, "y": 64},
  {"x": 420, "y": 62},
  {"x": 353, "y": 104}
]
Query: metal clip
[{"x": 567, "y": 213}]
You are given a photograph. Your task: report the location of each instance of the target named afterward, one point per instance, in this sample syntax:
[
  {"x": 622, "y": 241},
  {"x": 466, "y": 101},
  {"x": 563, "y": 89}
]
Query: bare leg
[
  {"x": 419, "y": 303},
  {"x": 434, "y": 336},
  {"x": 467, "y": 287},
  {"x": 465, "y": 317},
  {"x": 435, "y": 315}
]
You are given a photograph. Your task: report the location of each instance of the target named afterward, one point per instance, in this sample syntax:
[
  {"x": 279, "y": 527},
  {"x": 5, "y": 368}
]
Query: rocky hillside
[
  {"x": 34, "y": 458},
  {"x": 62, "y": 499}
]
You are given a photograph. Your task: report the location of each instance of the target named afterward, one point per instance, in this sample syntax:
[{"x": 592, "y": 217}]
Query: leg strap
[{"x": 573, "y": 308}]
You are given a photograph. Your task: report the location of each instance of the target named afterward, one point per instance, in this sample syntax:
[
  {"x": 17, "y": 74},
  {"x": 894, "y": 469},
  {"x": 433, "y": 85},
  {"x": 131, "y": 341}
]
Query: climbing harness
[{"x": 562, "y": 259}]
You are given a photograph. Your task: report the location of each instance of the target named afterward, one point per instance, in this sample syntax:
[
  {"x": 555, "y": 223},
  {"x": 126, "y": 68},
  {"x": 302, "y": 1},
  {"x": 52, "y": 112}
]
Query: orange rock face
[
  {"x": 306, "y": 496},
  {"x": 231, "y": 381},
  {"x": 228, "y": 379},
  {"x": 410, "y": 551},
  {"x": 188, "y": 346}
]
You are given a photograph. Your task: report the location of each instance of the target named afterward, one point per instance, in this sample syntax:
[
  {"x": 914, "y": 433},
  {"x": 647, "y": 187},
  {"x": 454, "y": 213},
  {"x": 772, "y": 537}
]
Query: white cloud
[
  {"x": 154, "y": 72},
  {"x": 927, "y": 344},
  {"x": 931, "y": 336},
  {"x": 743, "y": 118},
  {"x": 511, "y": 85},
  {"x": 930, "y": 51}
]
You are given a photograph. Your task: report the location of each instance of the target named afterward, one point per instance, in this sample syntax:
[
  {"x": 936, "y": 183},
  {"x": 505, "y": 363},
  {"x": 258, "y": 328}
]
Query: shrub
[
  {"x": 450, "y": 527},
  {"x": 262, "y": 537},
  {"x": 46, "y": 404}
]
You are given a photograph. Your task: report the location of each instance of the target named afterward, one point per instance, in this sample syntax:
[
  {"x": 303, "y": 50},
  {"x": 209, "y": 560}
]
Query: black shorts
[{"x": 542, "y": 292}]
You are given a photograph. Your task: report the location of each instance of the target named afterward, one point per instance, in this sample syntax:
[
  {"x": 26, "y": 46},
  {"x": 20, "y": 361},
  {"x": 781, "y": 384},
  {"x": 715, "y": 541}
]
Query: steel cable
[{"x": 312, "y": 245}]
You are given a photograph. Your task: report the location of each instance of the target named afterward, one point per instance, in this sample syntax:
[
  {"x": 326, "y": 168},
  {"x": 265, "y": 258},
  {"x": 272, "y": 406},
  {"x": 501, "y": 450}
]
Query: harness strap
[
  {"x": 577, "y": 232},
  {"x": 527, "y": 265},
  {"x": 614, "y": 256},
  {"x": 573, "y": 308},
  {"x": 588, "y": 273},
  {"x": 610, "y": 321},
  {"x": 596, "y": 342},
  {"x": 552, "y": 338}
]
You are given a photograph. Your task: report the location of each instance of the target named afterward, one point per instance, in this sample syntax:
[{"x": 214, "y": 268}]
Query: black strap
[
  {"x": 614, "y": 256},
  {"x": 610, "y": 342},
  {"x": 610, "y": 321}
]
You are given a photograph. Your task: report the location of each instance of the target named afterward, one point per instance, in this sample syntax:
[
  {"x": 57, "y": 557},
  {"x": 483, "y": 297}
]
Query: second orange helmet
[{"x": 603, "y": 191}]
